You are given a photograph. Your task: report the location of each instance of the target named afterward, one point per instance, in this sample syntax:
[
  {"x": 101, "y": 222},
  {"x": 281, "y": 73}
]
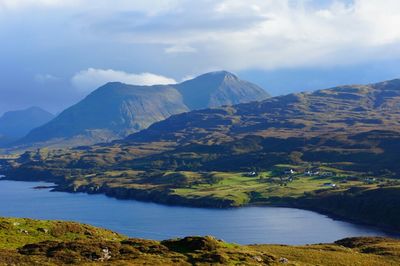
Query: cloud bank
[
  {"x": 179, "y": 38},
  {"x": 90, "y": 79},
  {"x": 232, "y": 34}
]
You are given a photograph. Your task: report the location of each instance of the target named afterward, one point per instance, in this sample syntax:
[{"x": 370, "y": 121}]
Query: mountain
[
  {"x": 115, "y": 110},
  {"x": 217, "y": 89},
  {"x": 355, "y": 127},
  {"x": 16, "y": 124},
  {"x": 350, "y": 109}
]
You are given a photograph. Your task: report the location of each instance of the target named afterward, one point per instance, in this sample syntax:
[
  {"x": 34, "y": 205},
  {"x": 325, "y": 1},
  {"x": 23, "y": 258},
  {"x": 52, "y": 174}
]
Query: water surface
[{"x": 248, "y": 225}]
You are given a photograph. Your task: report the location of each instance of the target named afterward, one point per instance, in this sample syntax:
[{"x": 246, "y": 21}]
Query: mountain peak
[
  {"x": 219, "y": 88},
  {"x": 33, "y": 108},
  {"x": 29, "y": 110},
  {"x": 15, "y": 124},
  {"x": 113, "y": 84},
  {"x": 221, "y": 75}
]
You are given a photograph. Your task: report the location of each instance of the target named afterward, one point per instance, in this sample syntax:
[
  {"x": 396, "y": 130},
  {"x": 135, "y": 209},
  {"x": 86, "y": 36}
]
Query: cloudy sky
[{"x": 54, "y": 52}]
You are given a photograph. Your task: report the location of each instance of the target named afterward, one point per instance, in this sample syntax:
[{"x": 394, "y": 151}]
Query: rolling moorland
[
  {"x": 39, "y": 242},
  {"x": 334, "y": 151}
]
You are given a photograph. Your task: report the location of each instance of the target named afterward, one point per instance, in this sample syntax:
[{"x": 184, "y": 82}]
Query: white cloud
[
  {"x": 150, "y": 7},
  {"x": 271, "y": 34},
  {"x": 90, "y": 79},
  {"x": 42, "y": 78},
  {"x": 230, "y": 34},
  {"x": 175, "y": 49},
  {"x": 18, "y": 4}
]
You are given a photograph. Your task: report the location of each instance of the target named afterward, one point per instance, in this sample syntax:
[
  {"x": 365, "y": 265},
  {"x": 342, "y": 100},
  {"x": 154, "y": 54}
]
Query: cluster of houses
[
  {"x": 312, "y": 173},
  {"x": 251, "y": 174},
  {"x": 332, "y": 185},
  {"x": 309, "y": 173},
  {"x": 290, "y": 172},
  {"x": 370, "y": 180},
  {"x": 294, "y": 172},
  {"x": 287, "y": 176},
  {"x": 318, "y": 173}
]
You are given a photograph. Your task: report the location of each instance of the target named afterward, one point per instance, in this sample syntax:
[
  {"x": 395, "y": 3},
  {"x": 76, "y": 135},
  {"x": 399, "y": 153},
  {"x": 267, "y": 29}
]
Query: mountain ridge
[
  {"x": 354, "y": 124},
  {"x": 287, "y": 111},
  {"x": 116, "y": 109},
  {"x": 350, "y": 126}
]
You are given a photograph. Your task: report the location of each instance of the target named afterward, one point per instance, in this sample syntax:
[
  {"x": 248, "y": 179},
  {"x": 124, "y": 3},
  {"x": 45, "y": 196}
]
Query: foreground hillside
[{"x": 32, "y": 242}]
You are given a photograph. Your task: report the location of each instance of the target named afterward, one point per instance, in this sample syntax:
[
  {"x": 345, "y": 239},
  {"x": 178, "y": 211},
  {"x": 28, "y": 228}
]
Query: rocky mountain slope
[
  {"x": 116, "y": 109},
  {"x": 111, "y": 111},
  {"x": 350, "y": 109},
  {"x": 351, "y": 127},
  {"x": 348, "y": 126},
  {"x": 16, "y": 124}
]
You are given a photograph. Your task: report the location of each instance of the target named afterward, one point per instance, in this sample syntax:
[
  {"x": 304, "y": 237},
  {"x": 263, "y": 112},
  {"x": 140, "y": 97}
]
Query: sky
[{"x": 54, "y": 52}]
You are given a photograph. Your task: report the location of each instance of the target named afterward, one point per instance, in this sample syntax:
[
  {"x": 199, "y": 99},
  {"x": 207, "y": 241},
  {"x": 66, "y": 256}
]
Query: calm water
[{"x": 154, "y": 221}]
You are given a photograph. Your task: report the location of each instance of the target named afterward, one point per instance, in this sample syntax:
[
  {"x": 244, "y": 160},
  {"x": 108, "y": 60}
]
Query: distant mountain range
[
  {"x": 116, "y": 110},
  {"x": 355, "y": 127},
  {"x": 351, "y": 127},
  {"x": 16, "y": 124}
]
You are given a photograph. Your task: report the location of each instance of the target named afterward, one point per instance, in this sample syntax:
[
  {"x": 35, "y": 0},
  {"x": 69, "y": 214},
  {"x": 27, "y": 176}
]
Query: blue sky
[{"x": 54, "y": 52}]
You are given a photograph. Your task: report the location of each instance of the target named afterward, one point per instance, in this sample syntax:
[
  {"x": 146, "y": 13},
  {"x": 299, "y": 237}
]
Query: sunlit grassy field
[{"x": 266, "y": 187}]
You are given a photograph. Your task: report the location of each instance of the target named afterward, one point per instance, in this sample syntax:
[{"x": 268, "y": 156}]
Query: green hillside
[{"x": 33, "y": 242}]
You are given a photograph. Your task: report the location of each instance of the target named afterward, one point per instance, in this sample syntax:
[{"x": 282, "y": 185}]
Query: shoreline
[{"x": 194, "y": 203}]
